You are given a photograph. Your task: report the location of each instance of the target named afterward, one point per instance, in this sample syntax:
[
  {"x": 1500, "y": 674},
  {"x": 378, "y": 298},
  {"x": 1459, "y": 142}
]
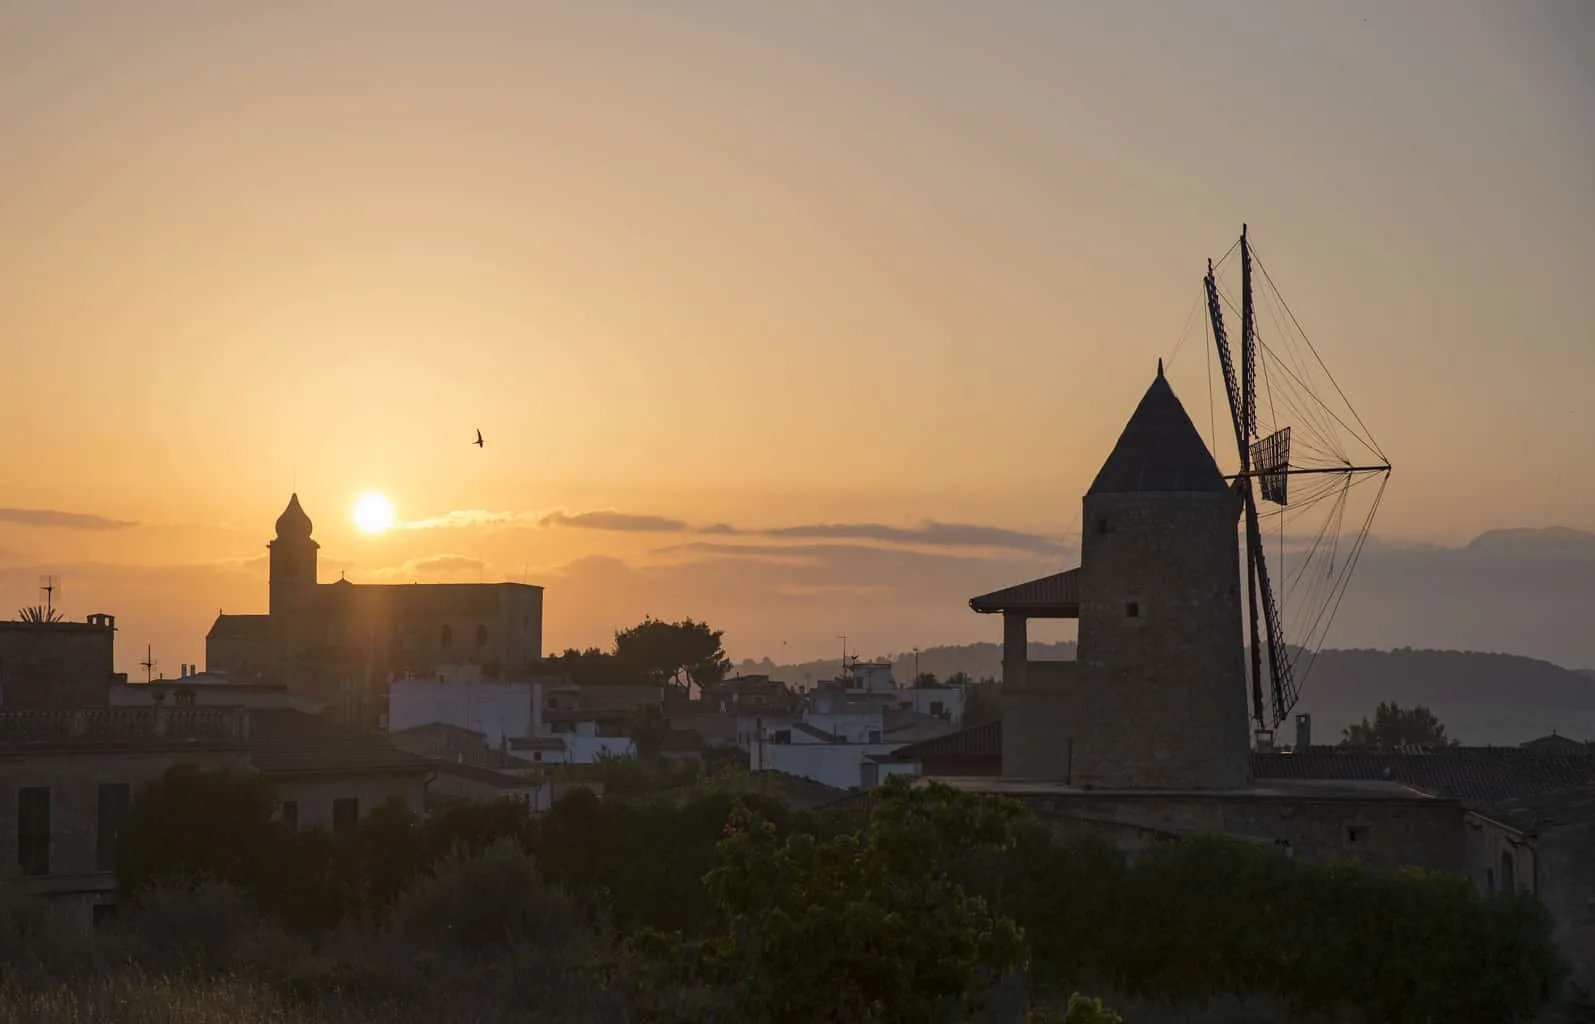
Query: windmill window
[
  {"x": 1102, "y": 525},
  {"x": 1132, "y": 609},
  {"x": 446, "y": 636},
  {"x": 481, "y": 636}
]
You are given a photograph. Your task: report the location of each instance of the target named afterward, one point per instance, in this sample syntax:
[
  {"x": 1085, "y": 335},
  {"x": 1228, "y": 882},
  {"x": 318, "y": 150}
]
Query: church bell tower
[{"x": 293, "y": 561}]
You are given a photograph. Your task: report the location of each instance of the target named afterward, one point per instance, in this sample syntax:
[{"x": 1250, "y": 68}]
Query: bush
[
  {"x": 39, "y": 938},
  {"x": 176, "y": 925},
  {"x": 473, "y": 903}
]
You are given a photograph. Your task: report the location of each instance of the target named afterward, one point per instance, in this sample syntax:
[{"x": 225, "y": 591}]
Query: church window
[
  {"x": 446, "y": 636},
  {"x": 1132, "y": 609},
  {"x": 481, "y": 636}
]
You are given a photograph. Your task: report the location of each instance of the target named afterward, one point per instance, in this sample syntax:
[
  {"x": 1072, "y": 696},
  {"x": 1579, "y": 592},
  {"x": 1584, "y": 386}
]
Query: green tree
[
  {"x": 193, "y": 824},
  {"x": 926, "y": 681},
  {"x": 680, "y": 655},
  {"x": 649, "y": 727},
  {"x": 1394, "y": 726},
  {"x": 590, "y": 667},
  {"x": 863, "y": 927}
]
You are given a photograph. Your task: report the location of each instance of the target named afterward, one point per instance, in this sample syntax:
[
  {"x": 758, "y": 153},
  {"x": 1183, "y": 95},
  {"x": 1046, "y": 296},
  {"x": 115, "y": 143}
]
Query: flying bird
[{"x": 478, "y": 442}]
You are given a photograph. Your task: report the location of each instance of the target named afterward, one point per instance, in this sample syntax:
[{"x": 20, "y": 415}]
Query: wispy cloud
[
  {"x": 61, "y": 520},
  {"x": 930, "y": 533},
  {"x": 434, "y": 567},
  {"x": 461, "y": 518},
  {"x": 609, "y": 519}
]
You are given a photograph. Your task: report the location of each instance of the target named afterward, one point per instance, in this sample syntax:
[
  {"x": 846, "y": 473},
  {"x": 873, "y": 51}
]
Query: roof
[
  {"x": 1554, "y": 744},
  {"x": 906, "y": 725},
  {"x": 976, "y": 741},
  {"x": 293, "y": 522},
  {"x": 486, "y": 776},
  {"x": 1160, "y": 450},
  {"x": 442, "y": 730},
  {"x": 1574, "y": 805},
  {"x": 554, "y": 743},
  {"x": 1480, "y": 777},
  {"x": 1056, "y": 596},
  {"x": 68, "y": 730},
  {"x": 296, "y": 743},
  {"x": 239, "y": 627}
]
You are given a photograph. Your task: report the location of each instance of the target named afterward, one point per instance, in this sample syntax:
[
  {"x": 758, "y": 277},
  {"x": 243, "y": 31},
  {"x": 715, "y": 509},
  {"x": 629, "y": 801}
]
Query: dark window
[
  {"x": 481, "y": 636},
  {"x": 937, "y": 707},
  {"x": 1489, "y": 881},
  {"x": 33, "y": 830},
  {"x": 781, "y": 736},
  {"x": 1102, "y": 525},
  {"x": 290, "y": 813},
  {"x": 104, "y": 913},
  {"x": 1132, "y": 609},
  {"x": 1508, "y": 872},
  {"x": 185, "y": 698},
  {"x": 1356, "y": 835},
  {"x": 446, "y": 636},
  {"x": 874, "y": 735},
  {"x": 115, "y": 798},
  {"x": 345, "y": 812}
]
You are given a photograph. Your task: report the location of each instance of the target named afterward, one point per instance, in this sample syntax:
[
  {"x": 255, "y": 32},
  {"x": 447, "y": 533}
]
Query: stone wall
[{"x": 56, "y": 664}]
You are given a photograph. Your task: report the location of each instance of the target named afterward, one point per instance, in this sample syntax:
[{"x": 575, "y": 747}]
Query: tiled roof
[
  {"x": 486, "y": 776},
  {"x": 295, "y": 743},
  {"x": 976, "y": 741},
  {"x": 1574, "y": 805},
  {"x": 239, "y": 627},
  {"x": 1160, "y": 450},
  {"x": 1478, "y": 776},
  {"x": 1057, "y": 595}
]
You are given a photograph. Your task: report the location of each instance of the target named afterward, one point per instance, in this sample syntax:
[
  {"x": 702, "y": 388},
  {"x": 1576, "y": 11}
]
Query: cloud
[
  {"x": 460, "y": 518},
  {"x": 61, "y": 520},
  {"x": 609, "y": 519},
  {"x": 929, "y": 533},
  {"x": 436, "y": 568}
]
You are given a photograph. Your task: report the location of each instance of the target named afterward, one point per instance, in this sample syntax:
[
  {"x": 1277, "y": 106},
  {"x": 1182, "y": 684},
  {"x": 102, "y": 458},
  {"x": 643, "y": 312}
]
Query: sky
[{"x": 899, "y": 270}]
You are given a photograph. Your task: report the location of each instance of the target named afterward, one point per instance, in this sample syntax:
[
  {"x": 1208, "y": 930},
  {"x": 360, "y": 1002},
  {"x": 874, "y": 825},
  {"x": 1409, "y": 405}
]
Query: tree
[
  {"x": 681, "y": 655},
  {"x": 591, "y": 667},
  {"x": 193, "y": 824},
  {"x": 649, "y": 727},
  {"x": 866, "y": 926},
  {"x": 926, "y": 681},
  {"x": 36, "y": 614},
  {"x": 1394, "y": 726}
]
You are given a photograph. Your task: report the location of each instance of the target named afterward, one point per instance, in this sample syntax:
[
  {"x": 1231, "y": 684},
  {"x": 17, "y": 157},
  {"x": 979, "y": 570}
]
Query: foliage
[
  {"x": 681, "y": 655},
  {"x": 861, "y": 926},
  {"x": 983, "y": 703},
  {"x": 1081, "y": 1010},
  {"x": 590, "y": 667},
  {"x": 38, "y": 614},
  {"x": 1394, "y": 727},
  {"x": 926, "y": 681},
  {"x": 237, "y": 844},
  {"x": 649, "y": 727},
  {"x": 487, "y": 899}
]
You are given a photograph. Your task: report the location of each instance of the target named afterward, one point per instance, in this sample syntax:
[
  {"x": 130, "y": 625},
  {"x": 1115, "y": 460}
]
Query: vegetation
[
  {"x": 932, "y": 905},
  {"x": 679, "y": 655},
  {"x": 38, "y": 613},
  {"x": 1395, "y": 727}
]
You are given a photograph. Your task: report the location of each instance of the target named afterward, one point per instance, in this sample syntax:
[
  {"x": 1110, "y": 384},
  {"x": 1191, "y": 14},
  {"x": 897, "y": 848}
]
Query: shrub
[{"x": 472, "y": 903}]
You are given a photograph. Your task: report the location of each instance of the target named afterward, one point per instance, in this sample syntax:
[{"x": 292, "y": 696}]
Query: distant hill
[{"x": 1491, "y": 699}]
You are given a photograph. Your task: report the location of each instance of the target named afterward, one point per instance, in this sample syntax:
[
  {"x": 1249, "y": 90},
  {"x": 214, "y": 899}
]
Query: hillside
[{"x": 1500, "y": 699}]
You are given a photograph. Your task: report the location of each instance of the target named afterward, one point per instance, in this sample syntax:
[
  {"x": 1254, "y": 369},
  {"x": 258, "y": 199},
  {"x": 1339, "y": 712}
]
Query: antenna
[
  {"x": 148, "y": 664},
  {"x": 48, "y": 586}
]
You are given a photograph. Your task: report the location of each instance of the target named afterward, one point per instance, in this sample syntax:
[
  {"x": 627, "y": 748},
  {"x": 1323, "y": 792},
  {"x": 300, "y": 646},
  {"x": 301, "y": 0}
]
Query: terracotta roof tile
[{"x": 1058, "y": 593}]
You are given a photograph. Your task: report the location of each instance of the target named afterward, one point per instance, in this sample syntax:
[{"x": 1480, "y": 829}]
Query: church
[{"x": 342, "y": 642}]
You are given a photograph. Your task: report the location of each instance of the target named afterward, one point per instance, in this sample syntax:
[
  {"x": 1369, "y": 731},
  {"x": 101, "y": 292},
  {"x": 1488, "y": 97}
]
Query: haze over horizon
[{"x": 781, "y": 317}]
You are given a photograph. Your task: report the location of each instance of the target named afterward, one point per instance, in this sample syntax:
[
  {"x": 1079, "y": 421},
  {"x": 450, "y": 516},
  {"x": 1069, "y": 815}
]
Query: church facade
[{"x": 342, "y": 642}]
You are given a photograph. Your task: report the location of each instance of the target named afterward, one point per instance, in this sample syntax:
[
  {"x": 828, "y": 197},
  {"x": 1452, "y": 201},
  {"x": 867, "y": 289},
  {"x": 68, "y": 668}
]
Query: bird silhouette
[{"x": 478, "y": 442}]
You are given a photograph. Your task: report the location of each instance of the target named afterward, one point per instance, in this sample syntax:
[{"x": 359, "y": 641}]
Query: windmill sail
[{"x": 1306, "y": 439}]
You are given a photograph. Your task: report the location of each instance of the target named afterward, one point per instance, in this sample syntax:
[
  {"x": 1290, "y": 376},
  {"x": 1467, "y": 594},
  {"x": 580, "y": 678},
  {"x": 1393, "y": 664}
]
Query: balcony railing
[{"x": 34, "y": 729}]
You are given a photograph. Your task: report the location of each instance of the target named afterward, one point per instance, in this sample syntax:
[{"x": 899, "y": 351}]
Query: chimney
[{"x": 1304, "y": 733}]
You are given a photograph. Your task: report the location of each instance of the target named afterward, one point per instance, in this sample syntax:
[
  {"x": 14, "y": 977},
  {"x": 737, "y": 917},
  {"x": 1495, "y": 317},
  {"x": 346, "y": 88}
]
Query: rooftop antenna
[
  {"x": 48, "y": 585},
  {"x": 148, "y": 664}
]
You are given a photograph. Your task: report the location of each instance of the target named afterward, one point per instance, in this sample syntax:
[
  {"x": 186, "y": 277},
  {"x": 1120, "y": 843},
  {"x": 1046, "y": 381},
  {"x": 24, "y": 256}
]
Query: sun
[{"x": 373, "y": 513}]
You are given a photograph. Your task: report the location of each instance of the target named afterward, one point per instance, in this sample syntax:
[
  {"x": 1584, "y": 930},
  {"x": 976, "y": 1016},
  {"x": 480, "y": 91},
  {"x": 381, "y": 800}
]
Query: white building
[
  {"x": 837, "y": 741},
  {"x": 498, "y": 710}
]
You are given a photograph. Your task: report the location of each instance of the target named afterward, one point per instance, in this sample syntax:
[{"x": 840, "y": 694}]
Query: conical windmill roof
[{"x": 1160, "y": 450}]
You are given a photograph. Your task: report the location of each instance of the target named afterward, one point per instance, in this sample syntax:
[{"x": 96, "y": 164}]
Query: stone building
[
  {"x": 68, "y": 778},
  {"x": 341, "y": 642},
  {"x": 57, "y": 664}
]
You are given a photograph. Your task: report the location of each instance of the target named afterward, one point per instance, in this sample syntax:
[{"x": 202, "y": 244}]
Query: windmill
[{"x": 1283, "y": 638}]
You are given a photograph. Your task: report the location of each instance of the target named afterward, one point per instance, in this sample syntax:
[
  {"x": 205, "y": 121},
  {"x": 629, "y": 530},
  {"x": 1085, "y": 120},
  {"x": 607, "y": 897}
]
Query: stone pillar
[{"x": 1015, "y": 649}]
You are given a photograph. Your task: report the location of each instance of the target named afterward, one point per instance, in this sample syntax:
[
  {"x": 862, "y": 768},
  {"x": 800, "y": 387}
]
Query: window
[
  {"x": 1508, "y": 872},
  {"x": 33, "y": 830},
  {"x": 446, "y": 636},
  {"x": 481, "y": 636},
  {"x": 185, "y": 698},
  {"x": 1132, "y": 609},
  {"x": 874, "y": 735},
  {"x": 1356, "y": 835},
  {"x": 1489, "y": 881},
  {"x": 1102, "y": 525},
  {"x": 781, "y": 736},
  {"x": 104, "y": 913},
  {"x": 114, "y": 799},
  {"x": 290, "y": 814},
  {"x": 345, "y": 812},
  {"x": 937, "y": 707}
]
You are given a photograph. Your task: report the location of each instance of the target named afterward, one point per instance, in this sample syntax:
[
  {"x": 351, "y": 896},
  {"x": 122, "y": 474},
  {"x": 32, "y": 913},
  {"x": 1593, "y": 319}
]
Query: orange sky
[{"x": 762, "y": 264}]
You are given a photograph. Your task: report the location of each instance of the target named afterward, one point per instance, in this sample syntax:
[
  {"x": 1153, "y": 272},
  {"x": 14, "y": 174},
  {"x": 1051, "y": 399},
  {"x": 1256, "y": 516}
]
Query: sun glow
[{"x": 373, "y": 513}]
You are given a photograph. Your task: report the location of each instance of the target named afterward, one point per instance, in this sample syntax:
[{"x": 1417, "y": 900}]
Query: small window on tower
[
  {"x": 1102, "y": 525},
  {"x": 446, "y": 636},
  {"x": 1132, "y": 609}
]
